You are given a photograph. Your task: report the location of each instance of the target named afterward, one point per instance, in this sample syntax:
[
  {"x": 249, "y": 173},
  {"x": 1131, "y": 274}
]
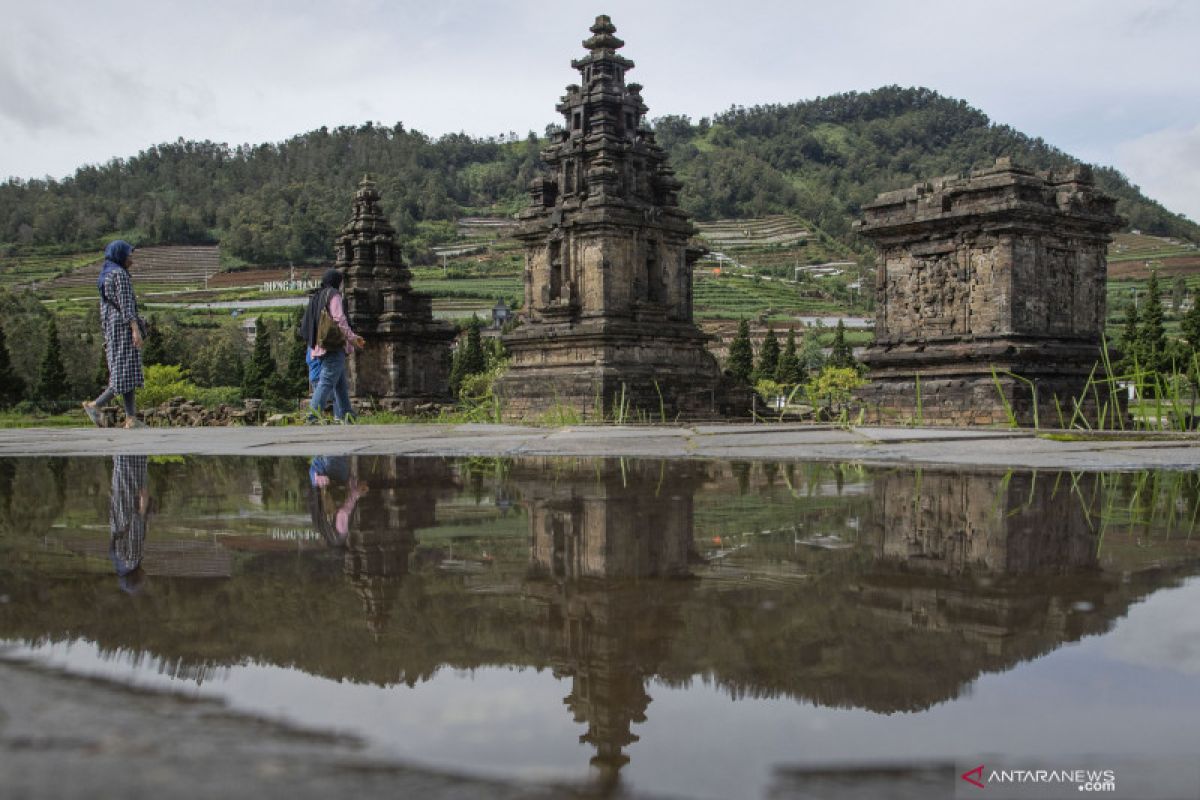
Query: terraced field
[
  {"x": 1139, "y": 246},
  {"x": 39, "y": 268},
  {"x": 735, "y": 296},
  {"x": 773, "y": 245},
  {"x": 752, "y": 275},
  {"x": 177, "y": 266}
]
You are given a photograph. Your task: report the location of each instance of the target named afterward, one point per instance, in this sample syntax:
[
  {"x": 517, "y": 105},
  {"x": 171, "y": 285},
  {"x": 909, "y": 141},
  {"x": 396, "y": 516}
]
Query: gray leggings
[{"x": 109, "y": 394}]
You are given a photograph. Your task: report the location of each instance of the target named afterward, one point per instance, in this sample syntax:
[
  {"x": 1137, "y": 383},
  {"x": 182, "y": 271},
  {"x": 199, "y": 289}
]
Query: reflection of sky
[
  {"x": 1129, "y": 692},
  {"x": 1162, "y": 633}
]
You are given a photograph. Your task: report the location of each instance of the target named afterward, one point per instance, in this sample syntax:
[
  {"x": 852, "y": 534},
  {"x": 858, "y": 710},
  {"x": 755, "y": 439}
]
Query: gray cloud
[
  {"x": 1166, "y": 164},
  {"x": 27, "y": 102},
  {"x": 1086, "y": 75}
]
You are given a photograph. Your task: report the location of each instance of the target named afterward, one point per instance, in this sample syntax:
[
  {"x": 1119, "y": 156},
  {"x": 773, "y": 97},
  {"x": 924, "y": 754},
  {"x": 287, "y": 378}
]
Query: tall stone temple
[
  {"x": 608, "y": 268},
  {"x": 983, "y": 277},
  {"x": 407, "y": 358}
]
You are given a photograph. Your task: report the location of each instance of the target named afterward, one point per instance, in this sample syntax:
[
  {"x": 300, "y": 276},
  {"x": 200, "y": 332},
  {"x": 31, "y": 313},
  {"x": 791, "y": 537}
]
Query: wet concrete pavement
[
  {"x": 66, "y": 737},
  {"x": 986, "y": 448}
]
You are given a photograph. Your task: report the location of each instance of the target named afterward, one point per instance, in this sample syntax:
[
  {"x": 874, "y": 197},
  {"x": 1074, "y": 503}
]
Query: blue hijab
[{"x": 115, "y": 256}]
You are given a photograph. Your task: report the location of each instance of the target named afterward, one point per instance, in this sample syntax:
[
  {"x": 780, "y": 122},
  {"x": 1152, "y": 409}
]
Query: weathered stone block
[{"x": 999, "y": 271}]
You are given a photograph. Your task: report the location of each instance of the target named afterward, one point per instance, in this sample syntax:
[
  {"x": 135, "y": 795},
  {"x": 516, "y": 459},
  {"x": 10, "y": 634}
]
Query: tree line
[{"x": 272, "y": 203}]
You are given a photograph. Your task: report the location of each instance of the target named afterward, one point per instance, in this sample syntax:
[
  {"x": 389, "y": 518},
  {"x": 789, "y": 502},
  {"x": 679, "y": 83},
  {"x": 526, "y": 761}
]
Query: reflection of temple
[
  {"x": 402, "y": 498},
  {"x": 1004, "y": 523},
  {"x": 598, "y": 530},
  {"x": 609, "y": 520},
  {"x": 957, "y": 575},
  {"x": 986, "y": 567}
]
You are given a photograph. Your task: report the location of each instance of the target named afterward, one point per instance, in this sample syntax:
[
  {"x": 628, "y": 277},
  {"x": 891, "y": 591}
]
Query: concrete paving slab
[{"x": 937, "y": 446}]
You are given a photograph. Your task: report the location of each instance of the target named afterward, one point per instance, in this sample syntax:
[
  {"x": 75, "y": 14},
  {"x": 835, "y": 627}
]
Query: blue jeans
[
  {"x": 336, "y": 467},
  {"x": 314, "y": 368},
  {"x": 333, "y": 382}
]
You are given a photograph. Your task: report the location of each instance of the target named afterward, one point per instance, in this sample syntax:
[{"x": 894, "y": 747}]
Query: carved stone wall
[
  {"x": 1000, "y": 269},
  {"x": 951, "y": 523},
  {"x": 607, "y": 325}
]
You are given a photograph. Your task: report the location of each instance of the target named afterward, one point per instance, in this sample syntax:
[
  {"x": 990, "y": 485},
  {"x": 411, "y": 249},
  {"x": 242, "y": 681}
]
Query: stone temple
[
  {"x": 406, "y": 362},
  {"x": 1003, "y": 269},
  {"x": 608, "y": 268}
]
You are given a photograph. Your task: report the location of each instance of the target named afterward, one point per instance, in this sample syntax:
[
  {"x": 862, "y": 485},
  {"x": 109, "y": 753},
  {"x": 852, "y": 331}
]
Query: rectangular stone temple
[
  {"x": 607, "y": 325},
  {"x": 981, "y": 277}
]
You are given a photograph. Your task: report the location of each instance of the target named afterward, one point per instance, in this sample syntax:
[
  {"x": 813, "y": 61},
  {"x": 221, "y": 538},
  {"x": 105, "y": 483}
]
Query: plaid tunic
[
  {"x": 127, "y": 525},
  {"x": 124, "y": 360}
]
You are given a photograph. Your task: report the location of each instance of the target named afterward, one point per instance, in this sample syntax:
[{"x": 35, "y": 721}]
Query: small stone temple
[
  {"x": 608, "y": 269},
  {"x": 407, "y": 358},
  {"x": 1001, "y": 269}
]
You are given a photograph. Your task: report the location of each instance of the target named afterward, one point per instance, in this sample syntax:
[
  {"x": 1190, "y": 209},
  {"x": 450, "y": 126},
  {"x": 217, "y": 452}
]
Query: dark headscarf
[
  {"x": 318, "y": 301},
  {"x": 116, "y": 254}
]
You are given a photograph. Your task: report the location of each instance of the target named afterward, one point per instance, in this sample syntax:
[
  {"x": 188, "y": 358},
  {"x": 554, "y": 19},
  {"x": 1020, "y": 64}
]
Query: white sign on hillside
[{"x": 289, "y": 286}]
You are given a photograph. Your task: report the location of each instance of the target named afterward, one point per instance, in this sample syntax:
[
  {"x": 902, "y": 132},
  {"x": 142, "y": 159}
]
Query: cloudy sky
[{"x": 1113, "y": 82}]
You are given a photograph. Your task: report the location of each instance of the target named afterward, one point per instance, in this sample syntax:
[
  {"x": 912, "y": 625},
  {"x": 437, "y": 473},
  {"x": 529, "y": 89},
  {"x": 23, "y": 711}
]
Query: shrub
[
  {"x": 165, "y": 381},
  {"x": 835, "y": 386}
]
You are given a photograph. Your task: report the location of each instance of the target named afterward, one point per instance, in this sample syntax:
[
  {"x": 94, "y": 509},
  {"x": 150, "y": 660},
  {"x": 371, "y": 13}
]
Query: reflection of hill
[{"x": 954, "y": 575}]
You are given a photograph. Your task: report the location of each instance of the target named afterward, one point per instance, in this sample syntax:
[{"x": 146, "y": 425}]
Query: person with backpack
[
  {"x": 124, "y": 334},
  {"x": 323, "y": 473},
  {"x": 329, "y": 338}
]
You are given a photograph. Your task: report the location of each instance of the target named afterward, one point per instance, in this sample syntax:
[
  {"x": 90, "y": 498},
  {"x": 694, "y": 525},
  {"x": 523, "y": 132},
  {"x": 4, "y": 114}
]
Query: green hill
[
  {"x": 820, "y": 160},
  {"x": 824, "y": 159}
]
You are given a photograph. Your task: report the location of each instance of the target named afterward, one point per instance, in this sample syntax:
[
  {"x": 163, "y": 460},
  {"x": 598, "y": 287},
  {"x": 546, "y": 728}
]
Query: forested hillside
[{"x": 822, "y": 159}]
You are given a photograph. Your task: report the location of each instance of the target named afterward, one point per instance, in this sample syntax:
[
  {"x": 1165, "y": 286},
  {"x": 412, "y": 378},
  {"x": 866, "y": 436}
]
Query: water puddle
[{"x": 706, "y": 629}]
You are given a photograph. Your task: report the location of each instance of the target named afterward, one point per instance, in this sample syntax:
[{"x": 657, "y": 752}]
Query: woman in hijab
[
  {"x": 332, "y": 373},
  {"x": 128, "y": 508},
  {"x": 122, "y": 334}
]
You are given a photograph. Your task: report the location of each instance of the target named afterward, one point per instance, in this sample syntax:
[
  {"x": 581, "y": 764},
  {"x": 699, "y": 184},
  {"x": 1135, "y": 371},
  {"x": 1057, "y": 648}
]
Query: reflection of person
[
  {"x": 331, "y": 376},
  {"x": 323, "y": 471},
  {"x": 129, "y": 506},
  {"x": 122, "y": 333}
]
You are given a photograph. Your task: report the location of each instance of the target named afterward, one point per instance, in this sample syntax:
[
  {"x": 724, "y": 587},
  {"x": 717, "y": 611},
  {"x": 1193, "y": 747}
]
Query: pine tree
[
  {"x": 768, "y": 357},
  {"x": 1152, "y": 336},
  {"x": 1128, "y": 344},
  {"x": 469, "y": 357},
  {"x": 100, "y": 376},
  {"x": 262, "y": 365},
  {"x": 294, "y": 381},
  {"x": 52, "y": 376},
  {"x": 474, "y": 359},
  {"x": 812, "y": 357},
  {"x": 1190, "y": 324},
  {"x": 741, "y": 354},
  {"x": 495, "y": 352},
  {"x": 1178, "y": 294},
  {"x": 790, "y": 371},
  {"x": 841, "y": 355},
  {"x": 12, "y": 388},
  {"x": 154, "y": 350}
]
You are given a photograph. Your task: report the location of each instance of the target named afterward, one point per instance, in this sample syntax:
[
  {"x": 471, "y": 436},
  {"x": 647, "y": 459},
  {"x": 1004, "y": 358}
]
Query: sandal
[{"x": 93, "y": 414}]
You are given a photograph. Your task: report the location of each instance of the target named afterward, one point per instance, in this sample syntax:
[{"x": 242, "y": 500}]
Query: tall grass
[{"x": 1160, "y": 403}]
